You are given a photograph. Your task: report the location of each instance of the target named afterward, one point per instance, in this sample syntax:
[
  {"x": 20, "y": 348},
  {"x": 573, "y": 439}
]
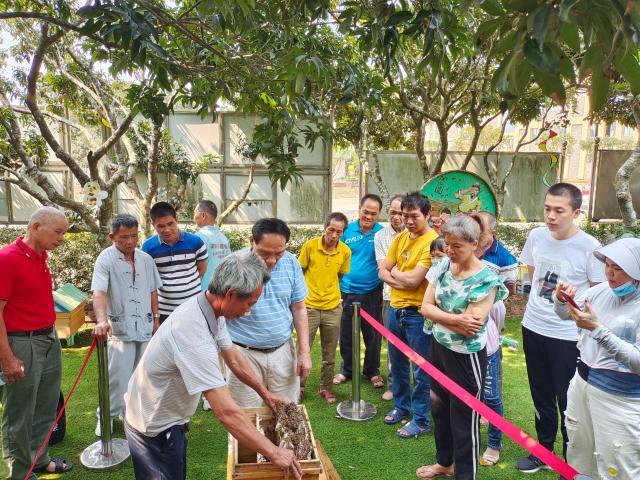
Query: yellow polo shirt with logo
[
  {"x": 407, "y": 253},
  {"x": 321, "y": 270}
]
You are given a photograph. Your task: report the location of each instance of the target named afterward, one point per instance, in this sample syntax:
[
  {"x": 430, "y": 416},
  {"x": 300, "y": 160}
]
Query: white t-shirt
[
  {"x": 557, "y": 261},
  {"x": 180, "y": 362},
  {"x": 382, "y": 243}
]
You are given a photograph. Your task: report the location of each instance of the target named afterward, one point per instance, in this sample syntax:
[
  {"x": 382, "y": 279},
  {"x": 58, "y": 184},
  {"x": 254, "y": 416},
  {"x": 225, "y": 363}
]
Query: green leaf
[
  {"x": 545, "y": 60},
  {"x": 565, "y": 9},
  {"x": 506, "y": 43},
  {"x": 206, "y": 7},
  {"x": 570, "y": 35},
  {"x": 567, "y": 69},
  {"x": 599, "y": 89},
  {"x": 89, "y": 12},
  {"x": 592, "y": 57},
  {"x": 540, "y": 24},
  {"x": 488, "y": 28},
  {"x": 628, "y": 64},
  {"x": 300, "y": 79},
  {"x": 492, "y": 7},
  {"x": 399, "y": 17},
  {"x": 551, "y": 86},
  {"x": 524, "y": 6},
  {"x": 521, "y": 76}
]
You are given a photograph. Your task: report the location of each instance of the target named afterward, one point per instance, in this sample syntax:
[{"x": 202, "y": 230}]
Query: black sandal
[{"x": 62, "y": 466}]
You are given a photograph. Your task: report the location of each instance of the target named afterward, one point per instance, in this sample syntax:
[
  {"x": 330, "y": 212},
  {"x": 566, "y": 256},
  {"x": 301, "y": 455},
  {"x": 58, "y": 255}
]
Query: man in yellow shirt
[
  {"x": 404, "y": 270},
  {"x": 324, "y": 260}
]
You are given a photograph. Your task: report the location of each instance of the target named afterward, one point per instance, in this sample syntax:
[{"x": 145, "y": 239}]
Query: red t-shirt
[{"x": 26, "y": 286}]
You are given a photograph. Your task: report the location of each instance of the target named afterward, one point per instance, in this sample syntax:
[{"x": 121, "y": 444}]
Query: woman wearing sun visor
[{"x": 603, "y": 405}]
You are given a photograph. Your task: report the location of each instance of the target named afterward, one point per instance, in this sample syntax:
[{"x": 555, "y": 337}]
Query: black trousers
[
  {"x": 551, "y": 364},
  {"x": 372, "y": 303},
  {"x": 456, "y": 426}
]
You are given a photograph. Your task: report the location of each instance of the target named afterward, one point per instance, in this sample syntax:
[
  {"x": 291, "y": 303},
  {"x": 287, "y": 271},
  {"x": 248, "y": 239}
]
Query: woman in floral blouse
[{"x": 460, "y": 294}]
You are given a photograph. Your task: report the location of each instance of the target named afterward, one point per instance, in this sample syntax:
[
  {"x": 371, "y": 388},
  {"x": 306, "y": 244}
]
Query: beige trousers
[
  {"x": 275, "y": 370},
  {"x": 328, "y": 322}
]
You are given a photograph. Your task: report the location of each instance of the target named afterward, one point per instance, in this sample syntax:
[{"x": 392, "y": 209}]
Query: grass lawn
[{"x": 368, "y": 450}]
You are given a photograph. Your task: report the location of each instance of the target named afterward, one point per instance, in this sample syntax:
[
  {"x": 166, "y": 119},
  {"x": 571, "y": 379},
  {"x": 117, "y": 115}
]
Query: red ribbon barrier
[
  {"x": 516, "y": 434},
  {"x": 64, "y": 405}
]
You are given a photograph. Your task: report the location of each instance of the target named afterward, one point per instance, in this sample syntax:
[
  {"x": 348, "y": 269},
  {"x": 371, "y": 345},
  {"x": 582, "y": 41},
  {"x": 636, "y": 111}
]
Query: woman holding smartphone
[{"x": 603, "y": 401}]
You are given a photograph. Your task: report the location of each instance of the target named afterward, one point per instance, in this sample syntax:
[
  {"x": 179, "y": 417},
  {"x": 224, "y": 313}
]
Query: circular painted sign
[{"x": 459, "y": 192}]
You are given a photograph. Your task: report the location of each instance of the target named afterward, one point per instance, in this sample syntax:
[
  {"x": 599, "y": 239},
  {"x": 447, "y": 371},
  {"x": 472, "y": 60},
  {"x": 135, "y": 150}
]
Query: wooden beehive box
[
  {"x": 69, "y": 305},
  {"x": 243, "y": 464}
]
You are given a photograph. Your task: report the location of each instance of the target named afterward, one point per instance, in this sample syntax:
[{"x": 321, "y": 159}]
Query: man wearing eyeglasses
[{"x": 125, "y": 301}]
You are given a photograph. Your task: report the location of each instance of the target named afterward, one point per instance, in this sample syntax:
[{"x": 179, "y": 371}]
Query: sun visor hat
[{"x": 625, "y": 253}]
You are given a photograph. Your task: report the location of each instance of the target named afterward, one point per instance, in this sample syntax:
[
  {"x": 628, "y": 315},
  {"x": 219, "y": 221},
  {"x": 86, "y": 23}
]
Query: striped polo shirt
[
  {"x": 178, "y": 268},
  {"x": 270, "y": 323}
]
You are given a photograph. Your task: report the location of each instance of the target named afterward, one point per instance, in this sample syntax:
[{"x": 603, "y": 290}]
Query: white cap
[{"x": 625, "y": 253}]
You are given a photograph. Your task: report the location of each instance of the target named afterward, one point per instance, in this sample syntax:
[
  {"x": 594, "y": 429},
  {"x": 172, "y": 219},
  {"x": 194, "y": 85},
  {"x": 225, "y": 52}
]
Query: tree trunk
[
  {"x": 623, "y": 177},
  {"x": 236, "y": 203},
  {"x": 152, "y": 179},
  {"x": 422, "y": 156},
  {"x": 443, "y": 147},
  {"x": 377, "y": 179}
]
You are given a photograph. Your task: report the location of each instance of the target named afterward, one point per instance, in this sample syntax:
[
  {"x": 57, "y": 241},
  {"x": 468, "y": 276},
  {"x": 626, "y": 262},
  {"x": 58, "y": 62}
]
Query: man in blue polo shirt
[
  {"x": 362, "y": 285},
  {"x": 264, "y": 333},
  {"x": 180, "y": 257}
]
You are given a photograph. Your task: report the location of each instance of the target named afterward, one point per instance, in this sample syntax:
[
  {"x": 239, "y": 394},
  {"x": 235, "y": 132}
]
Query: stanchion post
[
  {"x": 356, "y": 409},
  {"x": 106, "y": 452},
  {"x": 355, "y": 357},
  {"x": 103, "y": 398}
]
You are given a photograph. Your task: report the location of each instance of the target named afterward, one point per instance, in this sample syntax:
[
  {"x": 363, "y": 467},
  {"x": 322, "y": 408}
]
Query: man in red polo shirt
[{"x": 30, "y": 354}]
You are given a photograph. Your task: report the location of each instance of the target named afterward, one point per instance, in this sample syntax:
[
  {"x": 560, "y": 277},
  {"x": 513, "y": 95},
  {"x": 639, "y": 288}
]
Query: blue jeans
[
  {"x": 492, "y": 396},
  {"x": 406, "y": 324},
  {"x": 163, "y": 457}
]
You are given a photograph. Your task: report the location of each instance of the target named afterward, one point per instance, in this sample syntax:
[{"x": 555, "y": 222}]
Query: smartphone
[{"x": 573, "y": 303}]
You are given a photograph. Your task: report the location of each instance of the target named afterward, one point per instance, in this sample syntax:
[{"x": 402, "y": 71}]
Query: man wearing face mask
[
  {"x": 264, "y": 334},
  {"x": 405, "y": 269},
  {"x": 603, "y": 401},
  {"x": 383, "y": 240}
]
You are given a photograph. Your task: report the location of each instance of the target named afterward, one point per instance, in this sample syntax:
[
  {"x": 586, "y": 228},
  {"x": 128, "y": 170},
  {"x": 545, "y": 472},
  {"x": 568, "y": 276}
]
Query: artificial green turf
[{"x": 359, "y": 450}]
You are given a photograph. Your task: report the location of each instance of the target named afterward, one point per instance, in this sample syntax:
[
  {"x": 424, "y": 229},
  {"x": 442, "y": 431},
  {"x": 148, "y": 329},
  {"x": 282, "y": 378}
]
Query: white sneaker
[
  {"x": 205, "y": 405},
  {"x": 388, "y": 395},
  {"x": 98, "y": 431}
]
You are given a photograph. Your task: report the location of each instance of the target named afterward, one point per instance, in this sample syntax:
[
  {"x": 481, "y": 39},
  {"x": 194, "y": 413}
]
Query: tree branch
[{"x": 31, "y": 101}]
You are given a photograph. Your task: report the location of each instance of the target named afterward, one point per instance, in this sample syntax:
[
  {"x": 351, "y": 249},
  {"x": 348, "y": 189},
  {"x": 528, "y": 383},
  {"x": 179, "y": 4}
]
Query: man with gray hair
[
  {"x": 30, "y": 354},
  {"x": 181, "y": 362},
  {"x": 125, "y": 299}
]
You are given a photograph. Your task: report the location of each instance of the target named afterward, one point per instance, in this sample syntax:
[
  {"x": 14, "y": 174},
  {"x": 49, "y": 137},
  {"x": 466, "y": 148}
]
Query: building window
[{"x": 611, "y": 130}]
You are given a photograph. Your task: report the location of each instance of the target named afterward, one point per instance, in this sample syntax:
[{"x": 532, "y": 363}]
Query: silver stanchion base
[
  {"x": 349, "y": 411},
  {"x": 92, "y": 456}
]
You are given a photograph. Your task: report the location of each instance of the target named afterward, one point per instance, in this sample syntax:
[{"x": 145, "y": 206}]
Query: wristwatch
[{"x": 156, "y": 315}]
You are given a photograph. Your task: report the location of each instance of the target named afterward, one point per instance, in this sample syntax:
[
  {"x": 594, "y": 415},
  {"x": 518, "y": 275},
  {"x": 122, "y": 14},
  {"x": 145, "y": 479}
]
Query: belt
[
  {"x": 409, "y": 309},
  {"x": 583, "y": 370},
  {"x": 261, "y": 350},
  {"x": 32, "y": 333}
]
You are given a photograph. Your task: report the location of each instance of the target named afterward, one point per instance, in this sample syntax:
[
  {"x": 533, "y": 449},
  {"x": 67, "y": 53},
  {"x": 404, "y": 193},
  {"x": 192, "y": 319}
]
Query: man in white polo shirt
[{"x": 181, "y": 363}]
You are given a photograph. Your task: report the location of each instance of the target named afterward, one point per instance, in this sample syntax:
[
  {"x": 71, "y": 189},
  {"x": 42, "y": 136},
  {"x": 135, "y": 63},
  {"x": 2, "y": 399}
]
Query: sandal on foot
[
  {"x": 327, "y": 395},
  {"x": 488, "y": 460},
  {"x": 394, "y": 416},
  {"x": 377, "y": 381},
  {"x": 429, "y": 471},
  {"x": 339, "y": 379},
  {"x": 412, "y": 430},
  {"x": 61, "y": 466}
]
